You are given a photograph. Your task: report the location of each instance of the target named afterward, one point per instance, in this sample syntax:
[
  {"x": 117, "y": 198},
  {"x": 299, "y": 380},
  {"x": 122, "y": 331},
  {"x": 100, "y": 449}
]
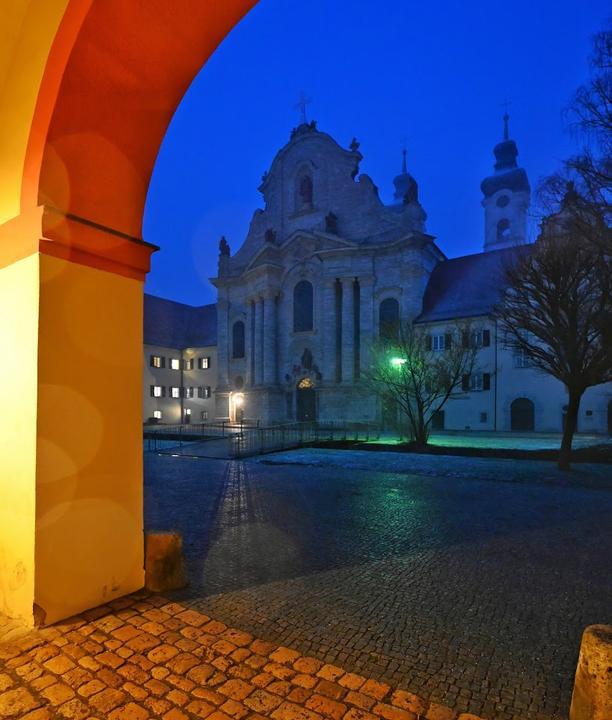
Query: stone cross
[
  {"x": 506, "y": 104},
  {"x": 301, "y": 106}
]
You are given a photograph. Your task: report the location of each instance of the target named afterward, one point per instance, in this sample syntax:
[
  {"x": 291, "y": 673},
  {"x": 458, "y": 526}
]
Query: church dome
[
  {"x": 508, "y": 175},
  {"x": 406, "y": 188}
]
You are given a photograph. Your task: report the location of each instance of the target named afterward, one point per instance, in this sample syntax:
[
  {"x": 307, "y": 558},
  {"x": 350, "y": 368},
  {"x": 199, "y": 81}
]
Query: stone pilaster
[
  {"x": 258, "y": 341},
  {"x": 248, "y": 343},
  {"x": 269, "y": 338},
  {"x": 348, "y": 331},
  {"x": 222, "y": 344},
  {"x": 366, "y": 336},
  {"x": 329, "y": 331}
]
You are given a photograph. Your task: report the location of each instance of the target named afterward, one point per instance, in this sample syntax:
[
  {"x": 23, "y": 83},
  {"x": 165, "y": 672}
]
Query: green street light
[{"x": 398, "y": 361}]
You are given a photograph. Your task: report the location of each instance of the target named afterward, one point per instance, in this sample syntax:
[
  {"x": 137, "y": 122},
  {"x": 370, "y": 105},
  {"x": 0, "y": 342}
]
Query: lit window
[
  {"x": 157, "y": 414},
  {"x": 157, "y": 361},
  {"x": 175, "y": 364},
  {"x": 207, "y": 392},
  {"x": 204, "y": 363},
  {"x": 175, "y": 392},
  {"x": 189, "y": 364},
  {"x": 187, "y": 411},
  {"x": 188, "y": 392},
  {"x": 204, "y": 414},
  {"x": 156, "y": 391}
]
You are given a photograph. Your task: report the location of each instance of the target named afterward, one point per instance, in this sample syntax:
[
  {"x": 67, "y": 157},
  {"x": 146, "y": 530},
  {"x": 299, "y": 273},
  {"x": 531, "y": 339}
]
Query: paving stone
[
  {"x": 199, "y": 708},
  {"x": 234, "y": 709},
  {"x": 59, "y": 664},
  {"x": 14, "y": 703},
  {"x": 391, "y": 712},
  {"x": 57, "y": 693},
  {"x": 131, "y": 711},
  {"x": 351, "y": 681},
  {"x": 326, "y": 707},
  {"x": 107, "y": 700},
  {"x": 284, "y": 655},
  {"x": 290, "y": 711},
  {"x": 236, "y": 689},
  {"x": 330, "y": 672},
  {"x": 262, "y": 702},
  {"x": 74, "y": 709}
]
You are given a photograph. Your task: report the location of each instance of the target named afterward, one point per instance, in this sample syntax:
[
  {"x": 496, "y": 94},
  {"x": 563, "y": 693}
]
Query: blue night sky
[{"x": 434, "y": 73}]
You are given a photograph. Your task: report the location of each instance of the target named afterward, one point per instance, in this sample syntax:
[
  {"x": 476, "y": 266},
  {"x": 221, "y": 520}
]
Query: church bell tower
[{"x": 507, "y": 196}]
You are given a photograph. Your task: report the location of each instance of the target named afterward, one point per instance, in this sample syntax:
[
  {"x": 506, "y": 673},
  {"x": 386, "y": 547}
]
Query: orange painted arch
[{"x": 113, "y": 76}]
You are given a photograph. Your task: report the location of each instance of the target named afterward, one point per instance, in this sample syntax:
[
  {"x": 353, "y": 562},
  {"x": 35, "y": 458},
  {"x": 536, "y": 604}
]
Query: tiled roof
[
  {"x": 176, "y": 325},
  {"x": 467, "y": 286}
]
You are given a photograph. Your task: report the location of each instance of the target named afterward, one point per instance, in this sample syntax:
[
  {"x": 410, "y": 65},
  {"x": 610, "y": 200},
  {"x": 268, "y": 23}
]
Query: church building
[{"x": 326, "y": 265}]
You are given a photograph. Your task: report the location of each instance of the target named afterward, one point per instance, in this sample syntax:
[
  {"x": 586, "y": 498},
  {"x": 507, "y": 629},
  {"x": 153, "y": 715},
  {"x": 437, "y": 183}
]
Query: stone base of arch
[{"x": 71, "y": 521}]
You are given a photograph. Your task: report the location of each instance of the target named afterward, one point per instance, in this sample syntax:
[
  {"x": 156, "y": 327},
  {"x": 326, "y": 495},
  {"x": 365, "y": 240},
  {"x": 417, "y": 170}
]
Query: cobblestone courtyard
[{"x": 468, "y": 592}]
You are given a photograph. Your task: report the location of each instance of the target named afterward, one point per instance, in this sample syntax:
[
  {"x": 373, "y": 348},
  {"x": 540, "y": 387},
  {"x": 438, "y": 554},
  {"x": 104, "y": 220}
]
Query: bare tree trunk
[{"x": 571, "y": 423}]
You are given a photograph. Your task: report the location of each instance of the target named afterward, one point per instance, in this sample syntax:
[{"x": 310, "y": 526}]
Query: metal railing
[
  {"x": 159, "y": 437},
  {"x": 257, "y": 441}
]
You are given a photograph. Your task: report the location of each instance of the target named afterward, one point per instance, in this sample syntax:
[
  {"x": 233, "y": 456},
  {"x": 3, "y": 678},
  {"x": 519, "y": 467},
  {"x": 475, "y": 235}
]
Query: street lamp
[{"x": 398, "y": 361}]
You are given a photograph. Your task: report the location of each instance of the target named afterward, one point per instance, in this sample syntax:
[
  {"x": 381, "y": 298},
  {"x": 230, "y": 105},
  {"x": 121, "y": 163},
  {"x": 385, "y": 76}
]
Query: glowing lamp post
[{"x": 397, "y": 362}]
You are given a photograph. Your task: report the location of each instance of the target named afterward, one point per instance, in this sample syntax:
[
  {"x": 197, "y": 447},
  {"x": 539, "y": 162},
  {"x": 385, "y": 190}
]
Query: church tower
[{"x": 506, "y": 198}]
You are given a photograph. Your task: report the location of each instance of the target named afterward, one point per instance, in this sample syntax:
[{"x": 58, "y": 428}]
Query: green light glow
[{"x": 398, "y": 361}]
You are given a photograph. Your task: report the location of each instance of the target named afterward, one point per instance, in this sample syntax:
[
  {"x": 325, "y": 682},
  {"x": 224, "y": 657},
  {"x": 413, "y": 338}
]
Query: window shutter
[
  {"x": 428, "y": 342},
  {"x": 151, "y": 360},
  {"x": 465, "y": 382},
  {"x": 448, "y": 341},
  {"x": 465, "y": 338},
  {"x": 208, "y": 362},
  {"x": 486, "y": 338},
  {"x": 163, "y": 362},
  {"x": 163, "y": 391},
  {"x": 152, "y": 390},
  {"x": 486, "y": 381}
]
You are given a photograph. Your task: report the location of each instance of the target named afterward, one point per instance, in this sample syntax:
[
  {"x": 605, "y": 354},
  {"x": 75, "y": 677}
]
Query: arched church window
[
  {"x": 503, "y": 229},
  {"x": 238, "y": 339},
  {"x": 389, "y": 319},
  {"x": 303, "y": 306},
  {"x": 304, "y": 194}
]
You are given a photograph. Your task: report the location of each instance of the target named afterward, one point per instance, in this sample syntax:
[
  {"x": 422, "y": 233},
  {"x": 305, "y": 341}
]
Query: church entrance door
[{"x": 306, "y": 401}]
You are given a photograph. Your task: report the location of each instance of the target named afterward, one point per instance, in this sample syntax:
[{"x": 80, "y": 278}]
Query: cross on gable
[{"x": 301, "y": 106}]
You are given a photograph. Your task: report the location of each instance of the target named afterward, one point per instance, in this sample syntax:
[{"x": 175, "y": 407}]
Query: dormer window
[{"x": 503, "y": 230}]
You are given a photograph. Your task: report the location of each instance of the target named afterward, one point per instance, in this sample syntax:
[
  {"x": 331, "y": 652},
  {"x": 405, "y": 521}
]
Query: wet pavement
[{"x": 472, "y": 593}]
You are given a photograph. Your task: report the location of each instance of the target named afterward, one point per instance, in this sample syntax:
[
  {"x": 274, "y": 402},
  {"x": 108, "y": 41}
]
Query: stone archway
[
  {"x": 522, "y": 415},
  {"x": 87, "y": 89}
]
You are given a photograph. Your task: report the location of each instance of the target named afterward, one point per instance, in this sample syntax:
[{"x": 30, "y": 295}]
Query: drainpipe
[
  {"x": 496, "y": 379},
  {"x": 182, "y": 388}
]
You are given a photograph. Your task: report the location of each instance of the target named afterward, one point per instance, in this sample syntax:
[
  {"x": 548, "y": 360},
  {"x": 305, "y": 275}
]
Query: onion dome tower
[{"x": 507, "y": 197}]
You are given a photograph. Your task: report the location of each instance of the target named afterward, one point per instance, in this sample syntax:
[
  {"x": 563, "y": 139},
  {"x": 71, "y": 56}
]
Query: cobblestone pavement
[
  {"x": 469, "y": 593},
  {"x": 136, "y": 659}
]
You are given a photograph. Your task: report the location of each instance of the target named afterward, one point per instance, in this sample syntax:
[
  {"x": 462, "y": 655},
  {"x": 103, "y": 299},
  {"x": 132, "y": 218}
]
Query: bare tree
[
  {"x": 557, "y": 308},
  {"x": 407, "y": 370}
]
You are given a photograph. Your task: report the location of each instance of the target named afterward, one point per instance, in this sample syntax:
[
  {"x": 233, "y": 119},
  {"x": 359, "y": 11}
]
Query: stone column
[
  {"x": 258, "y": 341},
  {"x": 366, "y": 337},
  {"x": 329, "y": 330},
  {"x": 348, "y": 331},
  {"x": 269, "y": 338},
  {"x": 222, "y": 344}
]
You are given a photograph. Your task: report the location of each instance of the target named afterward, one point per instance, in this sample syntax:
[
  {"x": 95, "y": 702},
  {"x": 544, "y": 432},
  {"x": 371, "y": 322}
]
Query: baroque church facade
[{"x": 324, "y": 266}]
